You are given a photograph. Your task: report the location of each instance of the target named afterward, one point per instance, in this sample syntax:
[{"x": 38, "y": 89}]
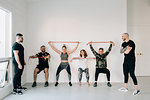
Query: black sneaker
[
  {"x": 70, "y": 84},
  {"x": 95, "y": 84},
  {"x": 136, "y": 92},
  {"x": 34, "y": 84},
  {"x": 46, "y": 84},
  {"x": 22, "y": 88},
  {"x": 15, "y": 91},
  {"x": 109, "y": 85},
  {"x": 56, "y": 84}
]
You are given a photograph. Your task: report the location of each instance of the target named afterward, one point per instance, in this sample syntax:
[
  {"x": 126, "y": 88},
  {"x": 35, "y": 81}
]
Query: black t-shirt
[
  {"x": 42, "y": 61},
  {"x": 20, "y": 48},
  {"x": 131, "y": 54}
]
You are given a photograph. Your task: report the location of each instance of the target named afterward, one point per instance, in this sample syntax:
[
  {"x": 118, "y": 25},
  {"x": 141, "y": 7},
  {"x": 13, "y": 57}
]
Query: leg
[
  {"x": 46, "y": 74},
  {"x": 96, "y": 74},
  {"x": 69, "y": 73},
  {"x": 80, "y": 74},
  {"x": 58, "y": 72},
  {"x": 132, "y": 74},
  {"x": 126, "y": 73},
  {"x": 107, "y": 74},
  {"x": 36, "y": 70},
  {"x": 87, "y": 74},
  {"x": 16, "y": 77}
]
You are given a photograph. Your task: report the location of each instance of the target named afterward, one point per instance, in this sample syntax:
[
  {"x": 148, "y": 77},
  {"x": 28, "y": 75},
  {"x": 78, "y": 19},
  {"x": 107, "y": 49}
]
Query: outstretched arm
[
  {"x": 69, "y": 52},
  {"x": 56, "y": 50},
  {"x": 109, "y": 49}
]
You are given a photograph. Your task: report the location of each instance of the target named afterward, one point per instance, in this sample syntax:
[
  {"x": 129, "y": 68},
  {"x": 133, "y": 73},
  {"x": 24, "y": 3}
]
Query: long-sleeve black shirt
[{"x": 101, "y": 60}]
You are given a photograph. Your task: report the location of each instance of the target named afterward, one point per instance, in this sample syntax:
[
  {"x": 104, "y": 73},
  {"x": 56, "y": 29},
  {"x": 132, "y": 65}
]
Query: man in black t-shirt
[
  {"x": 43, "y": 58},
  {"x": 128, "y": 48},
  {"x": 18, "y": 62}
]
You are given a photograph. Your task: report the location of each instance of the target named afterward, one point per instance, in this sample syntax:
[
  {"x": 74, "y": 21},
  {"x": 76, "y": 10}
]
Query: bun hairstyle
[
  {"x": 64, "y": 46},
  {"x": 85, "y": 53}
]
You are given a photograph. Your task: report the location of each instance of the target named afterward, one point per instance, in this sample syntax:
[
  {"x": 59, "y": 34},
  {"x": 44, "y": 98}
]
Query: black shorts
[{"x": 42, "y": 67}]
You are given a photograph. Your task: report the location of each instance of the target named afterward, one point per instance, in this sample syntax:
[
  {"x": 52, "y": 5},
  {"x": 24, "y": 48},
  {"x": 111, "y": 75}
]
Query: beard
[
  {"x": 124, "y": 39},
  {"x": 21, "y": 41}
]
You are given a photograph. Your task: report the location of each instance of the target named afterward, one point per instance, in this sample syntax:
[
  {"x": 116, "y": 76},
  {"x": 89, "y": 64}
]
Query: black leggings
[
  {"x": 17, "y": 76},
  {"x": 129, "y": 67},
  {"x": 102, "y": 70},
  {"x": 61, "y": 67}
]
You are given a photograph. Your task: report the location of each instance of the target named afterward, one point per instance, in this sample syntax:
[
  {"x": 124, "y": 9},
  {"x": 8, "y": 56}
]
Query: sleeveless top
[{"x": 64, "y": 56}]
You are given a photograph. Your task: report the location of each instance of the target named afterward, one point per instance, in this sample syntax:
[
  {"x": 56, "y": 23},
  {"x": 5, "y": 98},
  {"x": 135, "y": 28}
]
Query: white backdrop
[{"x": 75, "y": 20}]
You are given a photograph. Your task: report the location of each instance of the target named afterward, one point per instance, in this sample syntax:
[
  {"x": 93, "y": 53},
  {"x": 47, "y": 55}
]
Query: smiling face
[
  {"x": 83, "y": 53},
  {"x": 64, "y": 49}
]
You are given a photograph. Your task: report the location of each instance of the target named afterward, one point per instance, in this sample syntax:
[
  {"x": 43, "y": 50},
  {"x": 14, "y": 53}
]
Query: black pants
[
  {"x": 61, "y": 67},
  {"x": 17, "y": 76},
  {"x": 102, "y": 70},
  {"x": 129, "y": 67}
]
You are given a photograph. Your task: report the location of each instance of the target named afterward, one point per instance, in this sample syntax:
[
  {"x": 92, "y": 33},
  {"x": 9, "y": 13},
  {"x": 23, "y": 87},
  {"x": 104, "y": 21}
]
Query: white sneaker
[
  {"x": 136, "y": 92},
  {"x": 123, "y": 89}
]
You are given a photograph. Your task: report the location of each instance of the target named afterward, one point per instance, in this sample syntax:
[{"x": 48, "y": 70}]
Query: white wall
[
  {"x": 139, "y": 27},
  {"x": 75, "y": 20},
  {"x": 18, "y": 9}
]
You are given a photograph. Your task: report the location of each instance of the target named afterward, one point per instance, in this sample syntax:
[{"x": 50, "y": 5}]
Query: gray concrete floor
[{"x": 102, "y": 92}]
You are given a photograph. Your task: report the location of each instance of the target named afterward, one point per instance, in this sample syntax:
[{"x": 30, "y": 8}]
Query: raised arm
[
  {"x": 56, "y": 50},
  {"x": 69, "y": 52},
  {"x": 109, "y": 49},
  {"x": 92, "y": 49}
]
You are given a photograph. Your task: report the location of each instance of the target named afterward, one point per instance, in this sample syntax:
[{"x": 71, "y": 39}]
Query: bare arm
[
  {"x": 122, "y": 50},
  {"x": 17, "y": 58},
  {"x": 128, "y": 50},
  {"x": 56, "y": 50},
  {"x": 69, "y": 52}
]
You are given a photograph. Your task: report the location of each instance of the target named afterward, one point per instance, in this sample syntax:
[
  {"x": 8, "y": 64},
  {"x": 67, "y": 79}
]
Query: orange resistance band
[{"x": 104, "y": 42}]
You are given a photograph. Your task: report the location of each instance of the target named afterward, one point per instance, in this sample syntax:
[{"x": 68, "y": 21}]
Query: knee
[
  {"x": 46, "y": 70},
  {"x": 36, "y": 70}
]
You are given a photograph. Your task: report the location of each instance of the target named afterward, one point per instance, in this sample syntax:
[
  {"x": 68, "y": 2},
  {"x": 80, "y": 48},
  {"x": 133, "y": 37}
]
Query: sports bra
[{"x": 64, "y": 56}]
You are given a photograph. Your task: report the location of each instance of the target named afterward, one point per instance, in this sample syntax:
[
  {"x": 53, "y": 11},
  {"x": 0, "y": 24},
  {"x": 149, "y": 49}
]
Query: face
[
  {"x": 124, "y": 37},
  {"x": 101, "y": 52},
  {"x": 64, "y": 49},
  {"x": 43, "y": 49},
  {"x": 82, "y": 53},
  {"x": 20, "y": 39}
]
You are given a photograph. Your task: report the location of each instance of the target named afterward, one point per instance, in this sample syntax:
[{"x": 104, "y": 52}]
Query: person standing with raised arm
[
  {"x": 101, "y": 63},
  {"x": 128, "y": 49},
  {"x": 64, "y": 54}
]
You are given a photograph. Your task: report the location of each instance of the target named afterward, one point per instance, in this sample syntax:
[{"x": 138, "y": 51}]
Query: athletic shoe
[
  {"x": 70, "y": 84},
  {"x": 108, "y": 84},
  {"x": 34, "y": 84},
  {"x": 56, "y": 84},
  {"x": 123, "y": 89},
  {"x": 136, "y": 92},
  {"x": 95, "y": 84},
  {"x": 15, "y": 91},
  {"x": 80, "y": 84},
  {"x": 88, "y": 83},
  {"x": 46, "y": 84},
  {"x": 22, "y": 88}
]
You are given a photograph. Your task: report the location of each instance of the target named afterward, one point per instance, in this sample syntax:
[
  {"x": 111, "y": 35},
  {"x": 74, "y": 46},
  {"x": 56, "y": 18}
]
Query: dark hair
[
  {"x": 85, "y": 53},
  {"x": 101, "y": 49},
  {"x": 42, "y": 46},
  {"x": 19, "y": 34},
  {"x": 64, "y": 46}
]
